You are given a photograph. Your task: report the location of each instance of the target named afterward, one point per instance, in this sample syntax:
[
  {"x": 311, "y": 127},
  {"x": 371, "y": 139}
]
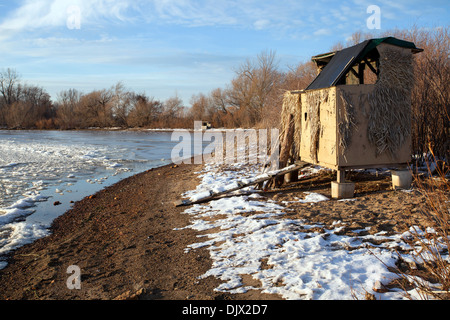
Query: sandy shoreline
[
  {"x": 124, "y": 242},
  {"x": 122, "y": 239}
]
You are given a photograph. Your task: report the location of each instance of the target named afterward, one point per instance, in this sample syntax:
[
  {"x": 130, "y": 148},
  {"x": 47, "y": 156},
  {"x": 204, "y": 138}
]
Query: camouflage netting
[
  {"x": 347, "y": 123},
  {"x": 290, "y": 132},
  {"x": 390, "y": 102},
  {"x": 313, "y": 101}
]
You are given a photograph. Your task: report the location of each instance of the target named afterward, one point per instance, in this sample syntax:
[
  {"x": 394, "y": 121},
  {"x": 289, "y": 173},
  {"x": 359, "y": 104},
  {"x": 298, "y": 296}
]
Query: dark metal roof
[
  {"x": 343, "y": 60},
  {"x": 337, "y": 67}
]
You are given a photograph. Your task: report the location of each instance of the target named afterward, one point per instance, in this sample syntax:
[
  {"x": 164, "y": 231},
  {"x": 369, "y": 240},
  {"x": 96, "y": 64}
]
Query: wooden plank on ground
[{"x": 242, "y": 184}]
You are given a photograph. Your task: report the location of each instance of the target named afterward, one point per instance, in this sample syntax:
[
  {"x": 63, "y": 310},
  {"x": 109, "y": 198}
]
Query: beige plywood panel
[
  {"x": 318, "y": 140},
  {"x": 361, "y": 152},
  {"x": 327, "y": 151}
]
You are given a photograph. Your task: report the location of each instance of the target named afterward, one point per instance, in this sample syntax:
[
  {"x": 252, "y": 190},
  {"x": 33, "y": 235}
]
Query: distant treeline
[
  {"x": 253, "y": 98},
  {"x": 255, "y": 92}
]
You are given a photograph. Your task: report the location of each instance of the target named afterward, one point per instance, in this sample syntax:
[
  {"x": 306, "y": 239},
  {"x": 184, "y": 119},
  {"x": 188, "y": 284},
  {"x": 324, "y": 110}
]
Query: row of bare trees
[
  {"x": 431, "y": 93},
  {"x": 21, "y": 105},
  {"x": 252, "y": 98},
  {"x": 116, "y": 107},
  {"x": 254, "y": 95},
  {"x": 30, "y": 107}
]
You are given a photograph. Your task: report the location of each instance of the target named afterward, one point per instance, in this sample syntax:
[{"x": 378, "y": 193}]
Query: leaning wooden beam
[
  {"x": 288, "y": 140},
  {"x": 371, "y": 67},
  {"x": 237, "y": 185}
]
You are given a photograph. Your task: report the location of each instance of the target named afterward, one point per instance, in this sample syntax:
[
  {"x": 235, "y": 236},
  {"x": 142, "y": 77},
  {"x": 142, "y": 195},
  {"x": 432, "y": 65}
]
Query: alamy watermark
[
  {"x": 245, "y": 146},
  {"x": 73, "y": 20},
  {"x": 74, "y": 280},
  {"x": 374, "y": 20}
]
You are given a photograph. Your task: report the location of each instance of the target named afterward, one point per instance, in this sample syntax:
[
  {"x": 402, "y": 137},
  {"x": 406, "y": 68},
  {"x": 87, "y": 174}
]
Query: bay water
[{"x": 41, "y": 168}]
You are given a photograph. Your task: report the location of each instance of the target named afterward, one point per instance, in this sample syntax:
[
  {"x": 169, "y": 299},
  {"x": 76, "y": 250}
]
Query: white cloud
[
  {"x": 249, "y": 14},
  {"x": 36, "y": 14},
  {"x": 261, "y": 24},
  {"x": 195, "y": 13},
  {"x": 322, "y": 32},
  {"x": 44, "y": 14}
]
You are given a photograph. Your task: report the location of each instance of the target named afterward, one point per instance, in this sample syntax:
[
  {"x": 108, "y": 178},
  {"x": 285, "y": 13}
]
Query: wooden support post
[
  {"x": 371, "y": 67},
  {"x": 294, "y": 176},
  {"x": 342, "y": 189},
  {"x": 286, "y": 146},
  {"x": 341, "y": 176},
  {"x": 361, "y": 68},
  {"x": 291, "y": 177}
]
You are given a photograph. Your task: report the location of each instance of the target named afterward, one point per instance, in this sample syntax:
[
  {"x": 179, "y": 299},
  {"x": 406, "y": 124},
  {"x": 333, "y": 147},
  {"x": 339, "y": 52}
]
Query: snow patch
[{"x": 253, "y": 236}]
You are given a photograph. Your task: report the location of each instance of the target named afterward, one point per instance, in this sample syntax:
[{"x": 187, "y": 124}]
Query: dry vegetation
[{"x": 429, "y": 271}]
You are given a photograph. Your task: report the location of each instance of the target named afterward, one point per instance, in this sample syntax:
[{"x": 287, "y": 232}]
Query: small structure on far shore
[
  {"x": 355, "y": 114},
  {"x": 206, "y": 125}
]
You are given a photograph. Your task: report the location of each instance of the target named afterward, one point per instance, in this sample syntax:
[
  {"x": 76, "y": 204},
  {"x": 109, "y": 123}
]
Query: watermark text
[
  {"x": 245, "y": 146},
  {"x": 74, "y": 280},
  {"x": 73, "y": 17},
  {"x": 374, "y": 20}
]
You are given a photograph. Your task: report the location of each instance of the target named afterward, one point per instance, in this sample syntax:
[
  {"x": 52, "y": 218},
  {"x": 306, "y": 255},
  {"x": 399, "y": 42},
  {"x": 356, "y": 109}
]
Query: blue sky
[{"x": 183, "y": 47}]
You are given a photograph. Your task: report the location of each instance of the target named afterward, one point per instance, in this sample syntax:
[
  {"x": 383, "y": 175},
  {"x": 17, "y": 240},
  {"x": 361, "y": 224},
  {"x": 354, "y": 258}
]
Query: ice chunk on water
[
  {"x": 20, "y": 233},
  {"x": 20, "y": 209}
]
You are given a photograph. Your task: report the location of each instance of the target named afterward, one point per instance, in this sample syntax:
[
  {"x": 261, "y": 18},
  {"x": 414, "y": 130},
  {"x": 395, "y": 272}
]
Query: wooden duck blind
[{"x": 342, "y": 122}]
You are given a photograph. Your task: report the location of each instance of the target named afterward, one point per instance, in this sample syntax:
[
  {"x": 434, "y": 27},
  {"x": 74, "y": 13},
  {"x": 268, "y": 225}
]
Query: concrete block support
[
  {"x": 401, "y": 179},
  {"x": 342, "y": 190}
]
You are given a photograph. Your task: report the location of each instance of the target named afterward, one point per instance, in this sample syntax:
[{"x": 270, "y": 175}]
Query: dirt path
[{"x": 124, "y": 242}]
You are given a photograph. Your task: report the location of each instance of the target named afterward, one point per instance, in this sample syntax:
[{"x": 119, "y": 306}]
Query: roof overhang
[{"x": 336, "y": 64}]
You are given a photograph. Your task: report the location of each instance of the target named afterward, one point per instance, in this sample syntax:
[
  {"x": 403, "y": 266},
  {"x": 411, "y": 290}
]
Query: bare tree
[
  {"x": 219, "y": 100},
  {"x": 8, "y": 80},
  {"x": 172, "y": 111},
  {"x": 253, "y": 89},
  {"x": 66, "y": 109},
  {"x": 300, "y": 76},
  {"x": 201, "y": 107},
  {"x": 104, "y": 99},
  {"x": 30, "y": 105},
  {"x": 145, "y": 111},
  {"x": 431, "y": 92},
  {"x": 121, "y": 104}
]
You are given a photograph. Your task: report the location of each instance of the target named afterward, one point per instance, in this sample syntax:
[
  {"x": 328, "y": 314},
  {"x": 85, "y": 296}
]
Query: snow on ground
[{"x": 248, "y": 235}]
